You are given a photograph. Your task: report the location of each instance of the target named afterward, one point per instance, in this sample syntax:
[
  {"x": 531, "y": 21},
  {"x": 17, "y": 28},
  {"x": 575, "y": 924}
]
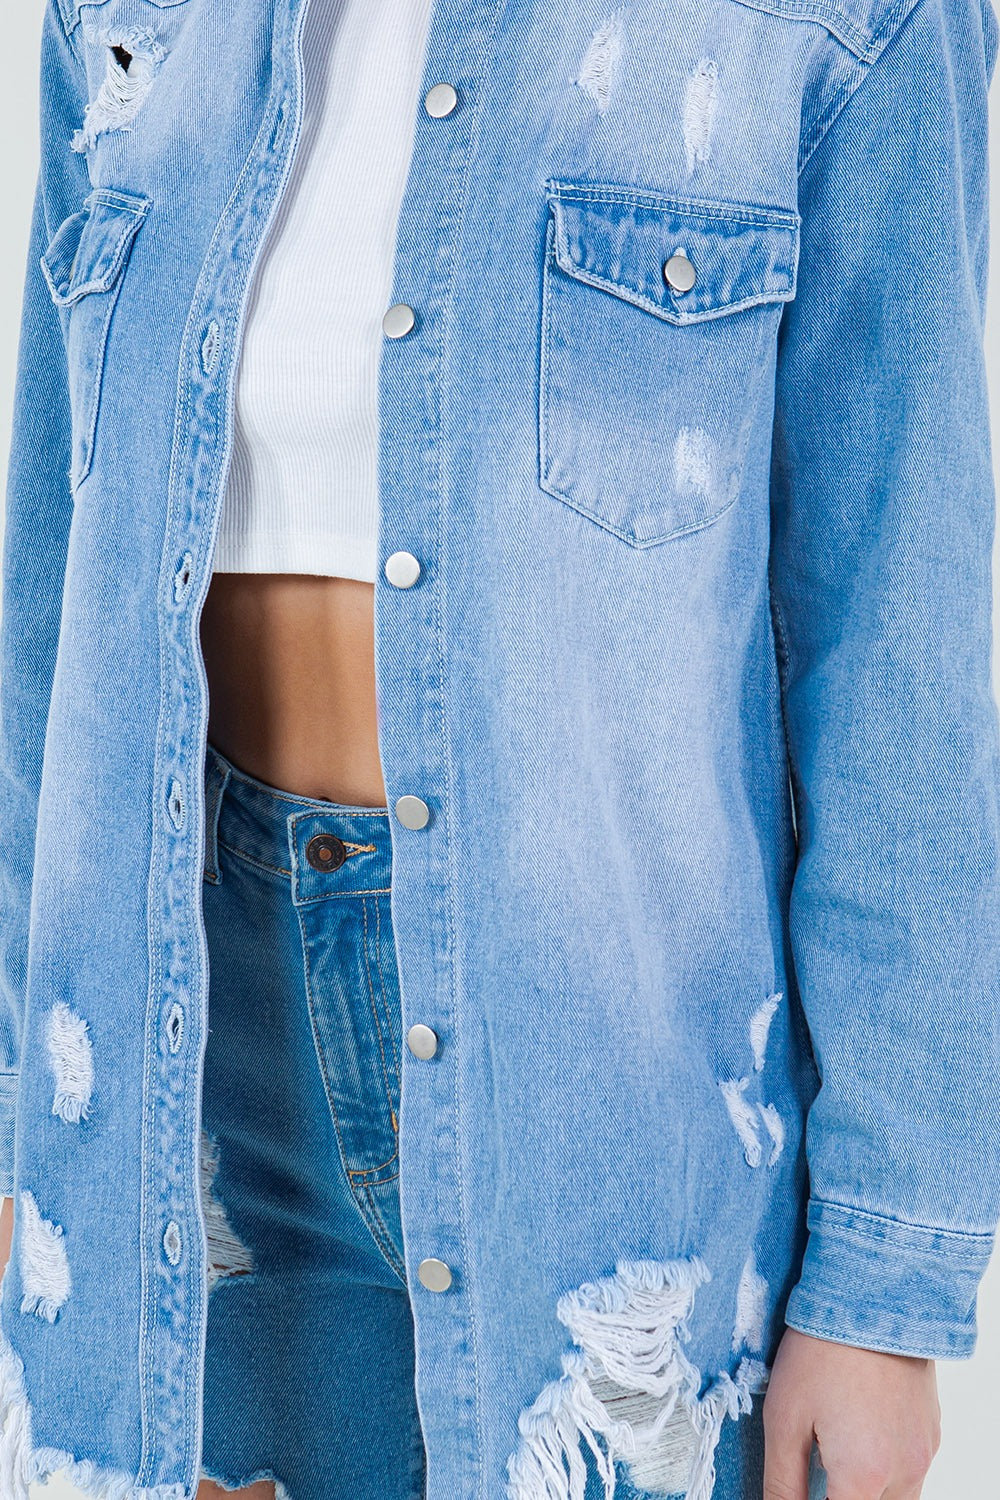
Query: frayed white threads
[
  {"x": 760, "y": 1025},
  {"x": 744, "y": 1118},
  {"x": 601, "y": 61},
  {"x": 71, "y": 1057},
  {"x": 20, "y": 1466},
  {"x": 629, "y": 1329},
  {"x": 695, "y": 461},
  {"x": 775, "y": 1127},
  {"x": 43, "y": 1261},
  {"x": 701, "y": 100},
  {"x": 227, "y": 1254},
  {"x": 122, "y": 90},
  {"x": 751, "y": 1309}
]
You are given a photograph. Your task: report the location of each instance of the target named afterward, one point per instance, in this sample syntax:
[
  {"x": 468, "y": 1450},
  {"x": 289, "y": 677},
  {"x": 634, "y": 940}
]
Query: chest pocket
[
  {"x": 83, "y": 266},
  {"x": 656, "y": 313}
]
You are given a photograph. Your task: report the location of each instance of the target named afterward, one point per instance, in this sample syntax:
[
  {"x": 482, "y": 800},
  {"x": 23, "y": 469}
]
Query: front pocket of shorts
[
  {"x": 647, "y": 394},
  {"x": 83, "y": 266}
]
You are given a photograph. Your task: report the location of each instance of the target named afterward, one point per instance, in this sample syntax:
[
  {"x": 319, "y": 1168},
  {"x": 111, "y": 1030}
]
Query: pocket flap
[
  {"x": 620, "y": 239},
  {"x": 89, "y": 249}
]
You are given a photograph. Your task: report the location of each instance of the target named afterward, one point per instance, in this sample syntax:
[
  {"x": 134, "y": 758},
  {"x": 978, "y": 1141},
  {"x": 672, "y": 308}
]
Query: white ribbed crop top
[{"x": 302, "y": 494}]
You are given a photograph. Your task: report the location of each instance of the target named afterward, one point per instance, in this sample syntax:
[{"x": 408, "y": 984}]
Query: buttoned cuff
[
  {"x": 880, "y": 1283},
  {"x": 8, "y": 1111}
]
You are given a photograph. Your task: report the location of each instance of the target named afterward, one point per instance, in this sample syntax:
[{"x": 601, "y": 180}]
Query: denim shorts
[
  {"x": 309, "y": 1376},
  {"x": 310, "y": 1355}
]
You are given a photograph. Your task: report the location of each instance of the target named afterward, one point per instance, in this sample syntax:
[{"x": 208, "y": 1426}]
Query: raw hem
[
  {"x": 21, "y": 1465},
  {"x": 280, "y": 1493}
]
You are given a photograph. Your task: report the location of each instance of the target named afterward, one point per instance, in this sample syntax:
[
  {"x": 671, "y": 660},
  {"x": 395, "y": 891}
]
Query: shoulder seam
[
  {"x": 893, "y": 23},
  {"x": 864, "y": 44},
  {"x": 69, "y": 15}
]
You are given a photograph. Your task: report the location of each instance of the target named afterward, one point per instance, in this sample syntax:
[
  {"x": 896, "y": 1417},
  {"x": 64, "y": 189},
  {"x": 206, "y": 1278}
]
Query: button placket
[{"x": 403, "y": 570}]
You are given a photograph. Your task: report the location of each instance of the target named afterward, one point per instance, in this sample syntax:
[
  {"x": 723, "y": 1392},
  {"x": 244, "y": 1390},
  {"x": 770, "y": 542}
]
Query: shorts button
[{"x": 325, "y": 852}]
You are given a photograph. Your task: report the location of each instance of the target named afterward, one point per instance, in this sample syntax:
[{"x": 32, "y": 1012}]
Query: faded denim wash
[
  {"x": 690, "y": 442},
  {"x": 309, "y": 1372}
]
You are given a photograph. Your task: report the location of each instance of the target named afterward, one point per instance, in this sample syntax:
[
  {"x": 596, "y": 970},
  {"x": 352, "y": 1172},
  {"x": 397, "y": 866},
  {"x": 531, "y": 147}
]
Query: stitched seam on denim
[
  {"x": 250, "y": 859},
  {"x": 666, "y": 314},
  {"x": 112, "y": 274},
  {"x": 258, "y": 172},
  {"x": 852, "y": 37},
  {"x": 349, "y": 1171},
  {"x": 438, "y": 599},
  {"x": 307, "y": 804},
  {"x": 382, "y": 1238},
  {"x": 831, "y": 1214},
  {"x": 783, "y": 661},
  {"x": 374, "y": 1010},
  {"x": 68, "y": 18},
  {"x": 385, "y": 998},
  {"x": 342, "y": 895},
  {"x": 94, "y": 399},
  {"x": 704, "y": 208},
  {"x": 545, "y": 383},
  {"x": 950, "y": 1341},
  {"x": 808, "y": 145},
  {"x": 364, "y": 1173}
]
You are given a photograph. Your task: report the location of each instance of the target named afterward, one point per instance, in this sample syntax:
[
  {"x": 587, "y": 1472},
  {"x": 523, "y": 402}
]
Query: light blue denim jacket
[{"x": 690, "y": 442}]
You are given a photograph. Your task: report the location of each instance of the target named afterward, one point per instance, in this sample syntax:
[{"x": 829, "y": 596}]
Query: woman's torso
[{"x": 291, "y": 671}]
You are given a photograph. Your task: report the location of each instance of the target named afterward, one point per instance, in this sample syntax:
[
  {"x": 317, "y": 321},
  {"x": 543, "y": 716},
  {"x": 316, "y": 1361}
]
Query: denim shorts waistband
[{"x": 324, "y": 848}]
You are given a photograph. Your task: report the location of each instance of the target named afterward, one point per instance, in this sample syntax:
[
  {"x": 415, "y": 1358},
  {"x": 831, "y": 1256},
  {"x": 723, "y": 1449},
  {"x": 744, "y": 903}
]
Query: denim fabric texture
[
  {"x": 689, "y": 439},
  {"x": 309, "y": 1348}
]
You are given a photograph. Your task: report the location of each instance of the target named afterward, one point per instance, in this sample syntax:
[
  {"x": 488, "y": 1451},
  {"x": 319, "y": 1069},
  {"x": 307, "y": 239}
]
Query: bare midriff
[{"x": 290, "y": 661}]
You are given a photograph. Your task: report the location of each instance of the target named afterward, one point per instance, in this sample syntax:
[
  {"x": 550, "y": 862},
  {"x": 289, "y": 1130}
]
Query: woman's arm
[
  {"x": 883, "y": 518},
  {"x": 38, "y": 513}
]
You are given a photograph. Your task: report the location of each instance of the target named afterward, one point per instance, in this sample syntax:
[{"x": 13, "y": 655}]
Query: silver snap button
[
  {"x": 413, "y": 812},
  {"x": 434, "y": 1275},
  {"x": 440, "y": 100},
  {"x": 402, "y": 570},
  {"x": 398, "y": 320},
  {"x": 680, "y": 273},
  {"x": 422, "y": 1041}
]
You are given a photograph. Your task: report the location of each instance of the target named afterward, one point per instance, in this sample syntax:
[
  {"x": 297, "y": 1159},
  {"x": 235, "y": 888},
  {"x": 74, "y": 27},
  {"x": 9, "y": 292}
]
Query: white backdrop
[{"x": 968, "y": 1465}]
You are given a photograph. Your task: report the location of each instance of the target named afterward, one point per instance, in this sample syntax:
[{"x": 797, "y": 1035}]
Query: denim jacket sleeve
[
  {"x": 34, "y": 554},
  {"x": 882, "y": 523}
]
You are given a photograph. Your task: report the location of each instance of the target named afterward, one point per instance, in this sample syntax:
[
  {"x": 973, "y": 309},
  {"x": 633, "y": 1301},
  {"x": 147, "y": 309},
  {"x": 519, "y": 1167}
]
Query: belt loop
[{"x": 217, "y": 773}]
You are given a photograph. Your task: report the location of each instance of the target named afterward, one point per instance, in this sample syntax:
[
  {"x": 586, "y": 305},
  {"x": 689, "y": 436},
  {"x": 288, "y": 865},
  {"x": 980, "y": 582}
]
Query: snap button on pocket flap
[
  {"x": 737, "y": 255},
  {"x": 89, "y": 249}
]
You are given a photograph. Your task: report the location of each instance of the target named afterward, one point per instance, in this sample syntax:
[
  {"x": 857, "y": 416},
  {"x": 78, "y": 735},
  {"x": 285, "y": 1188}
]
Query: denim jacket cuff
[
  {"x": 8, "y": 1109},
  {"x": 885, "y": 1284}
]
